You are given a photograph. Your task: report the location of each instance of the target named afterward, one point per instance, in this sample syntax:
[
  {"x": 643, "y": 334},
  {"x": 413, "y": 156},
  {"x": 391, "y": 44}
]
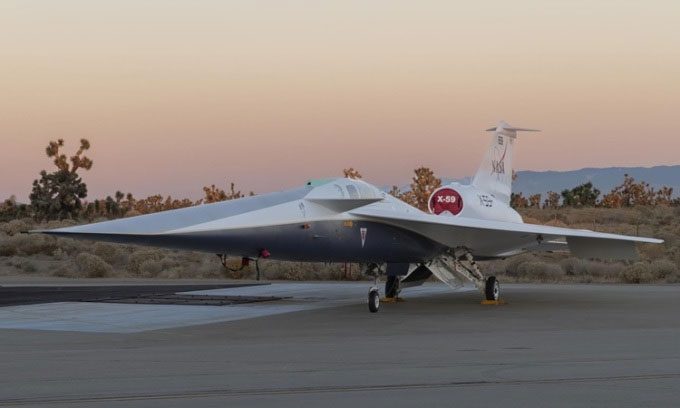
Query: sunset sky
[{"x": 175, "y": 95}]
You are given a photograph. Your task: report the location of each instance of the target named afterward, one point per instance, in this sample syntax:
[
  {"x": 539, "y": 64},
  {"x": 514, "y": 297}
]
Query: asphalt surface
[
  {"x": 550, "y": 346},
  {"x": 26, "y": 295}
]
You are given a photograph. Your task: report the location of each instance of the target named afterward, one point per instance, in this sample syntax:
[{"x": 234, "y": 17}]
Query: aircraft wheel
[
  {"x": 492, "y": 289},
  {"x": 373, "y": 300},
  {"x": 392, "y": 287}
]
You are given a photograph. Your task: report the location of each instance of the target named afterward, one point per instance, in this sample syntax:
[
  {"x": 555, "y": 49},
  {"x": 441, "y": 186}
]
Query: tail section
[{"x": 495, "y": 173}]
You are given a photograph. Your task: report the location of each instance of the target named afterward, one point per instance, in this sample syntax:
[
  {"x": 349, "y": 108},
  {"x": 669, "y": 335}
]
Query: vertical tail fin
[{"x": 495, "y": 173}]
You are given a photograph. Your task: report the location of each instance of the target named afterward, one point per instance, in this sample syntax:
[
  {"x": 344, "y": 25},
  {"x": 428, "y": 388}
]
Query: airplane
[{"x": 348, "y": 220}]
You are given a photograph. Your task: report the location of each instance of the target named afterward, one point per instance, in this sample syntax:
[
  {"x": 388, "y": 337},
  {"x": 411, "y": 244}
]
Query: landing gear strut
[{"x": 392, "y": 287}]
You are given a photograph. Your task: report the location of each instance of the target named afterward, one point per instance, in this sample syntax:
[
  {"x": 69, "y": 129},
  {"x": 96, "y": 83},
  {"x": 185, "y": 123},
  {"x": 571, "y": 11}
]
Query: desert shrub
[
  {"x": 668, "y": 235},
  {"x": 649, "y": 272},
  {"x": 27, "y": 266},
  {"x": 539, "y": 271},
  {"x": 150, "y": 268},
  {"x": 110, "y": 253},
  {"x": 298, "y": 271},
  {"x": 511, "y": 265},
  {"x": 64, "y": 270},
  {"x": 92, "y": 266},
  {"x": 197, "y": 257},
  {"x": 603, "y": 272},
  {"x": 652, "y": 251},
  {"x": 289, "y": 271},
  {"x": 171, "y": 273},
  {"x": 208, "y": 270},
  {"x": 639, "y": 272},
  {"x": 32, "y": 244},
  {"x": 58, "y": 224},
  {"x": 72, "y": 246},
  {"x": 138, "y": 257},
  {"x": 663, "y": 269},
  {"x": 530, "y": 220},
  {"x": 673, "y": 277},
  {"x": 14, "y": 227},
  {"x": 574, "y": 267},
  {"x": 556, "y": 223},
  {"x": 585, "y": 271},
  {"x": 211, "y": 269},
  {"x": 59, "y": 254},
  {"x": 7, "y": 248}
]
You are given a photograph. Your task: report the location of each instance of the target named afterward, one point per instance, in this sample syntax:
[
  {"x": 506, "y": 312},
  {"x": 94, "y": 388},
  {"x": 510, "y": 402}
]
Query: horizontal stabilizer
[{"x": 511, "y": 129}]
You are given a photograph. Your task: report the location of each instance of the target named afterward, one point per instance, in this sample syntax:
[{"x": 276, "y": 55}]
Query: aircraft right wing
[{"x": 497, "y": 238}]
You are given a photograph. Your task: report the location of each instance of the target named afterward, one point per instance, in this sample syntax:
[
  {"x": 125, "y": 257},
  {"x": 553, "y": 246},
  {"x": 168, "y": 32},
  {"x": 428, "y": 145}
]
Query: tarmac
[{"x": 316, "y": 344}]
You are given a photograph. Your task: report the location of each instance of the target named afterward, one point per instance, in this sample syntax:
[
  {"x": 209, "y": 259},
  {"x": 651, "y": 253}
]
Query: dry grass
[{"x": 92, "y": 266}]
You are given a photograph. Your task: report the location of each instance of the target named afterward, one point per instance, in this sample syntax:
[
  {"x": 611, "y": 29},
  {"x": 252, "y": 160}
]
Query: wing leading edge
[{"x": 498, "y": 238}]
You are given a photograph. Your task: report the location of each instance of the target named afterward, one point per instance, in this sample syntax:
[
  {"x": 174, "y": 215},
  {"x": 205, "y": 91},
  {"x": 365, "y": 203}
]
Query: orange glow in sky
[{"x": 175, "y": 95}]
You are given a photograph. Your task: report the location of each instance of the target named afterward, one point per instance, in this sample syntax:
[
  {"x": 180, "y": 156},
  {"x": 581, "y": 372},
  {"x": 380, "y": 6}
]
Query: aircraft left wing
[{"x": 486, "y": 238}]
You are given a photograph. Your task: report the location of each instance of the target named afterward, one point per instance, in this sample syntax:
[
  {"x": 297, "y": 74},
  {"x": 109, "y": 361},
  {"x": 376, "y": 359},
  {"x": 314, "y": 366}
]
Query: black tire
[
  {"x": 373, "y": 301},
  {"x": 492, "y": 290},
  {"x": 392, "y": 287}
]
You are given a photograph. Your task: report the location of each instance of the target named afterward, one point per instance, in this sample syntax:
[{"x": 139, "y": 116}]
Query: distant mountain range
[{"x": 604, "y": 179}]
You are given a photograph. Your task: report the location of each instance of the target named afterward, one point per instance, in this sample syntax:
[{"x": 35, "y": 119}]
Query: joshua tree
[
  {"x": 58, "y": 194},
  {"x": 422, "y": 186},
  {"x": 584, "y": 195},
  {"x": 535, "y": 201},
  {"x": 553, "y": 200},
  {"x": 214, "y": 194},
  {"x": 395, "y": 192},
  {"x": 631, "y": 193},
  {"x": 351, "y": 173},
  {"x": 517, "y": 200}
]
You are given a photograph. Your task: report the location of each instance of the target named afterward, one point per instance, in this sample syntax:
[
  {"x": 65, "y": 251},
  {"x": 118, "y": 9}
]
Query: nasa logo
[
  {"x": 498, "y": 162},
  {"x": 446, "y": 199},
  {"x": 497, "y": 167}
]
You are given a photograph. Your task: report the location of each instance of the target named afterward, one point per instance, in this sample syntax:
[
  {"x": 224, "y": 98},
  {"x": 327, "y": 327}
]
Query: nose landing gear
[
  {"x": 373, "y": 300},
  {"x": 374, "y": 270}
]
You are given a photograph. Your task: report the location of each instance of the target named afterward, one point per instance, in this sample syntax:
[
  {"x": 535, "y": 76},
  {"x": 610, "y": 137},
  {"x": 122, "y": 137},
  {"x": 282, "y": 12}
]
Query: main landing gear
[
  {"x": 492, "y": 289},
  {"x": 451, "y": 268},
  {"x": 453, "y": 265}
]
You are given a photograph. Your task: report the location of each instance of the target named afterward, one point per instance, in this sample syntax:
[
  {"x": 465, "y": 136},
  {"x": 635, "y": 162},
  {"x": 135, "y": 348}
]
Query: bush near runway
[{"x": 42, "y": 255}]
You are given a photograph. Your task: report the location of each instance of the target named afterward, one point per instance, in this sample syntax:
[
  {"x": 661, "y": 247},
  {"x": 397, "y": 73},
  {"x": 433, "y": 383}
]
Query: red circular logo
[{"x": 446, "y": 199}]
